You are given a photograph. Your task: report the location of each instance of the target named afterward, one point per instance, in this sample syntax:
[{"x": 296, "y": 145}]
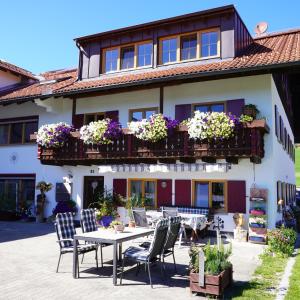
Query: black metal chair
[
  {"x": 139, "y": 216},
  {"x": 173, "y": 232},
  {"x": 88, "y": 224},
  {"x": 65, "y": 231},
  {"x": 170, "y": 212},
  {"x": 148, "y": 256}
]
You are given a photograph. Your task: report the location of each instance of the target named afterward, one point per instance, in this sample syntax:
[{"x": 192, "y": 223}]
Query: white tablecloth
[{"x": 195, "y": 221}]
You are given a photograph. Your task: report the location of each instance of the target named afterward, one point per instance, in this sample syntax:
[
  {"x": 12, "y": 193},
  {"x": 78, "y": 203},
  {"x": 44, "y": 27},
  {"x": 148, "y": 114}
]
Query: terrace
[{"x": 247, "y": 142}]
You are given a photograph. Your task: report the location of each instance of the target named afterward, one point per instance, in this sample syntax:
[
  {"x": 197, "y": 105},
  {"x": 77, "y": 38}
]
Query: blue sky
[{"x": 38, "y": 35}]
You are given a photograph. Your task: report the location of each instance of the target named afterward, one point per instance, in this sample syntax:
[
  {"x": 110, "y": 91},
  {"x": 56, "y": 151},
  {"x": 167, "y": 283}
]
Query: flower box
[
  {"x": 145, "y": 152},
  {"x": 213, "y": 284},
  {"x": 201, "y": 149},
  {"x": 48, "y": 153}
]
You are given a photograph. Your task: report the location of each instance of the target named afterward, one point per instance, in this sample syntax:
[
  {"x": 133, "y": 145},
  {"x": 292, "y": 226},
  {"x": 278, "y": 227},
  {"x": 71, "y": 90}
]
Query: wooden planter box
[
  {"x": 93, "y": 153},
  {"x": 48, "y": 153},
  {"x": 201, "y": 149},
  {"x": 144, "y": 152},
  {"x": 213, "y": 284}
]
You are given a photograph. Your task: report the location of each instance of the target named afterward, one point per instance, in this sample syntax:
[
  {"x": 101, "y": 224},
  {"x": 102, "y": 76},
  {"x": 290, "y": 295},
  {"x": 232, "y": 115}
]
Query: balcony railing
[{"x": 247, "y": 142}]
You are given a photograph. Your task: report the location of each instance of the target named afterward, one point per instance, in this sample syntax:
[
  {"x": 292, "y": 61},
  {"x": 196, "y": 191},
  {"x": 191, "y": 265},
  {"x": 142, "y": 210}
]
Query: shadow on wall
[{"x": 11, "y": 231}]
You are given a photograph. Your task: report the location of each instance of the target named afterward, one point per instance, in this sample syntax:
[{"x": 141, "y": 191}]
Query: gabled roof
[
  {"x": 268, "y": 52},
  {"x": 15, "y": 69}
]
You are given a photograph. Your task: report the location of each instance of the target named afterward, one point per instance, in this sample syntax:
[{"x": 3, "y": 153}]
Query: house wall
[
  {"x": 259, "y": 90},
  {"x": 7, "y": 79}
]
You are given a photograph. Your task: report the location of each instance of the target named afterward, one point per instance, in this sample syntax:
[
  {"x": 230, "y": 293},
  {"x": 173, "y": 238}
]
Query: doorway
[{"x": 93, "y": 188}]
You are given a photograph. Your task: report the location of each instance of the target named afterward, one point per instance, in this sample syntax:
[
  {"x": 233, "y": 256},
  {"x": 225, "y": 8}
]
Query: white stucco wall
[{"x": 7, "y": 79}]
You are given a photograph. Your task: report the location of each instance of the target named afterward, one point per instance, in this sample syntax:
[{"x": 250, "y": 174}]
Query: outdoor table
[{"x": 108, "y": 236}]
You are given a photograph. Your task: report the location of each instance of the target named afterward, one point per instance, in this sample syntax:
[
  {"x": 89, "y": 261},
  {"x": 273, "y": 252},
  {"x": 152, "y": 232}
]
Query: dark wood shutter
[
  {"x": 183, "y": 192},
  {"x": 236, "y": 196},
  {"x": 113, "y": 115},
  {"x": 235, "y": 107},
  {"x": 183, "y": 111},
  {"x": 164, "y": 194},
  {"x": 78, "y": 120},
  {"x": 120, "y": 187},
  {"x": 276, "y": 122},
  {"x": 94, "y": 63}
]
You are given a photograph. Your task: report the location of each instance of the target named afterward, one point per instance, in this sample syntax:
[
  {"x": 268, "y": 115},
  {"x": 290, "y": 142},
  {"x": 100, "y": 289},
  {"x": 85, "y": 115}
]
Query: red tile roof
[
  {"x": 273, "y": 50},
  {"x": 15, "y": 69}
]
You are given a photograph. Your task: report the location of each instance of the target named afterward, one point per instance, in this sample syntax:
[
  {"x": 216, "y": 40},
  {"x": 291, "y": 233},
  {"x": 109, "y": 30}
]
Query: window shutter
[
  {"x": 78, "y": 121},
  {"x": 183, "y": 192},
  {"x": 235, "y": 107},
  {"x": 183, "y": 112},
  {"x": 236, "y": 196},
  {"x": 120, "y": 187},
  {"x": 113, "y": 115},
  {"x": 164, "y": 194}
]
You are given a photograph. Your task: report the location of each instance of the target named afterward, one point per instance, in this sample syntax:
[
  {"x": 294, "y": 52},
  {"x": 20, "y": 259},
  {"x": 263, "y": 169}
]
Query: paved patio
[{"x": 28, "y": 258}]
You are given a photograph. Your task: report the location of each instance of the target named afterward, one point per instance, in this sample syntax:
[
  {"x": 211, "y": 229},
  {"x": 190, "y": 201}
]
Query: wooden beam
[
  {"x": 74, "y": 102},
  {"x": 161, "y": 99}
]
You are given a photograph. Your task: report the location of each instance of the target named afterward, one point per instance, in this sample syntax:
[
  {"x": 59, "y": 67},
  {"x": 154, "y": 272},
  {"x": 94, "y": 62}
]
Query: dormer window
[
  {"x": 144, "y": 53},
  {"x": 189, "y": 47},
  {"x": 127, "y": 57},
  {"x": 185, "y": 47},
  {"x": 209, "y": 44},
  {"x": 169, "y": 50},
  {"x": 111, "y": 60}
]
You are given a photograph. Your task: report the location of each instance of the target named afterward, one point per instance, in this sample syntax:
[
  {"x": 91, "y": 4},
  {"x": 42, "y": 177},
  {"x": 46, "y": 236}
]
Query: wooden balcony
[{"x": 247, "y": 142}]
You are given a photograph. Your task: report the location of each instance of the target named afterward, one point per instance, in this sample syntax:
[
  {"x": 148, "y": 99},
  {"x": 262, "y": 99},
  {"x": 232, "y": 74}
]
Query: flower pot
[
  {"x": 119, "y": 228},
  {"x": 256, "y": 212},
  {"x": 213, "y": 284},
  {"x": 131, "y": 224},
  {"x": 201, "y": 149},
  {"x": 257, "y": 225},
  {"x": 249, "y": 111},
  {"x": 105, "y": 221}
]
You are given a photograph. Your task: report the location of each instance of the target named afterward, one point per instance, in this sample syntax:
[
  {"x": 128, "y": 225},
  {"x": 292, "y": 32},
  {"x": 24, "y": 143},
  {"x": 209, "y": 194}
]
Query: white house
[{"x": 205, "y": 61}]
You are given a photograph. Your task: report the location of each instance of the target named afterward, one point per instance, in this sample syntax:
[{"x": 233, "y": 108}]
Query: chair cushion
[
  {"x": 65, "y": 228},
  {"x": 88, "y": 220},
  {"x": 145, "y": 245},
  {"x": 82, "y": 248},
  {"x": 137, "y": 253}
]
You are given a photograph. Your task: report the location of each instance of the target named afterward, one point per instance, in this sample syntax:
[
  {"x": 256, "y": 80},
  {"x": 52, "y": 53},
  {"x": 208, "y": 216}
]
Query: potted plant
[
  {"x": 217, "y": 269},
  {"x": 152, "y": 130},
  {"x": 53, "y": 136},
  {"x": 250, "y": 110},
  {"x": 102, "y": 132},
  {"x": 117, "y": 225},
  {"x": 244, "y": 119},
  {"x": 257, "y": 211},
  {"x": 43, "y": 187},
  {"x": 257, "y": 221},
  {"x": 65, "y": 206},
  {"x": 106, "y": 213}
]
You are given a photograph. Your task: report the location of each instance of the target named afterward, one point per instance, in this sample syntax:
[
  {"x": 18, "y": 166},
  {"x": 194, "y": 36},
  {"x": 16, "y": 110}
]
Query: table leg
[
  {"x": 120, "y": 251},
  {"x": 75, "y": 258},
  {"x": 115, "y": 264}
]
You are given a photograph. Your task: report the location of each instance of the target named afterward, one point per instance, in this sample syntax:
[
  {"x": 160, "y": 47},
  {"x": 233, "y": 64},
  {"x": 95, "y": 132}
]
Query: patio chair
[
  {"x": 172, "y": 235},
  {"x": 139, "y": 216},
  {"x": 170, "y": 212},
  {"x": 88, "y": 224},
  {"x": 151, "y": 255},
  {"x": 173, "y": 232},
  {"x": 65, "y": 231}
]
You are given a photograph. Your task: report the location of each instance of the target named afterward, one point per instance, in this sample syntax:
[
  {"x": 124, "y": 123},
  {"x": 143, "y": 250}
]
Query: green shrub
[
  {"x": 216, "y": 259},
  {"x": 282, "y": 241}
]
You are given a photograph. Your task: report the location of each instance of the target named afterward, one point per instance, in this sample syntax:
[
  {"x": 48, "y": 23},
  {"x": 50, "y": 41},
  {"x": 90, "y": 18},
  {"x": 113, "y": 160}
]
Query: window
[
  {"x": 88, "y": 118},
  {"x": 184, "y": 47},
  {"x": 188, "y": 47},
  {"x": 127, "y": 58},
  {"x": 144, "y": 54},
  {"x": 143, "y": 113},
  {"x": 18, "y": 193},
  {"x": 169, "y": 50},
  {"x": 210, "y": 194},
  {"x": 111, "y": 60},
  {"x": 211, "y": 107},
  {"x": 144, "y": 189},
  {"x": 17, "y": 132},
  {"x": 209, "y": 43}
]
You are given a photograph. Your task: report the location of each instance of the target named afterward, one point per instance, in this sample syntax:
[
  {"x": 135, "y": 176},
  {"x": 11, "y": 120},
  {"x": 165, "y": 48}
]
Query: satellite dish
[{"x": 261, "y": 28}]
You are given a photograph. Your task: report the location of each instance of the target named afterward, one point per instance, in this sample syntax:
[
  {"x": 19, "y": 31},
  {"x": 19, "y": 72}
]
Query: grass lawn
[
  {"x": 294, "y": 281},
  {"x": 264, "y": 282},
  {"x": 297, "y": 166}
]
